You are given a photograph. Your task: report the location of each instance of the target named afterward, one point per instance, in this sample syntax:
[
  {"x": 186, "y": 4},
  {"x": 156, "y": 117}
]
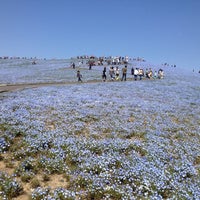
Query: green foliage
[
  {"x": 9, "y": 187},
  {"x": 45, "y": 177},
  {"x": 27, "y": 165},
  {"x": 35, "y": 183},
  {"x": 197, "y": 160},
  {"x": 27, "y": 176}
]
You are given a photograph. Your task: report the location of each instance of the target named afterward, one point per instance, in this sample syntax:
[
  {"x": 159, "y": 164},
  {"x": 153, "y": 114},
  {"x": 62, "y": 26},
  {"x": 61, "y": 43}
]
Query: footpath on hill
[{"x": 22, "y": 86}]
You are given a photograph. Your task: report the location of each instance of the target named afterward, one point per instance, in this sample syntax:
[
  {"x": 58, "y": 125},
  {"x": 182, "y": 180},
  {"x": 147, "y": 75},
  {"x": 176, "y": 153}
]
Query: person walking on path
[
  {"x": 124, "y": 72},
  {"x": 104, "y": 74},
  {"x": 140, "y": 73},
  {"x": 117, "y": 73},
  {"x": 79, "y": 76},
  {"x": 135, "y": 74},
  {"x": 73, "y": 65},
  {"x": 112, "y": 73},
  {"x": 132, "y": 71}
]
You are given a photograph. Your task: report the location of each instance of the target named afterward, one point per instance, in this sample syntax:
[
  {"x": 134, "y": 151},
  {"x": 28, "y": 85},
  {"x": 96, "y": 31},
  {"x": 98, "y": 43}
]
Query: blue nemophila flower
[
  {"x": 136, "y": 139},
  {"x": 4, "y": 145},
  {"x": 9, "y": 186}
]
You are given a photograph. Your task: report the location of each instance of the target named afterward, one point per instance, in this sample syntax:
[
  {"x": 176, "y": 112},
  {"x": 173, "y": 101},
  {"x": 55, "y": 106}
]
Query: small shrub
[
  {"x": 197, "y": 160},
  {"x": 81, "y": 182},
  {"x": 52, "y": 166},
  {"x": 10, "y": 164},
  {"x": 27, "y": 176},
  {"x": 45, "y": 177},
  {"x": 35, "y": 183},
  {"x": 136, "y": 134},
  {"x": 66, "y": 176},
  {"x": 40, "y": 193},
  {"x": 4, "y": 145},
  {"x": 63, "y": 194},
  {"x": 1, "y": 157},
  {"x": 9, "y": 187},
  {"x": 25, "y": 166},
  {"x": 114, "y": 194}
]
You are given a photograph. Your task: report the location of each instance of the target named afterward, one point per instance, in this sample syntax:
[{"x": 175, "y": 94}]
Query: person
[
  {"x": 104, "y": 74},
  {"x": 155, "y": 75},
  {"x": 135, "y": 74},
  {"x": 124, "y": 71},
  {"x": 141, "y": 73},
  {"x": 73, "y": 65},
  {"x": 117, "y": 73},
  {"x": 150, "y": 75},
  {"x": 147, "y": 73},
  {"x": 79, "y": 64},
  {"x": 132, "y": 71},
  {"x": 112, "y": 73},
  {"x": 160, "y": 74},
  {"x": 90, "y": 66},
  {"x": 79, "y": 76},
  {"x": 126, "y": 59}
]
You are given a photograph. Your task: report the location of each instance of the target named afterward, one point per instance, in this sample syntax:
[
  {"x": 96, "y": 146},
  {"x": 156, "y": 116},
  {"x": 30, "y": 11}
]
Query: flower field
[{"x": 105, "y": 140}]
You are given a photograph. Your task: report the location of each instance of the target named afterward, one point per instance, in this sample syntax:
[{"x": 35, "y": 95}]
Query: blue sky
[{"x": 157, "y": 30}]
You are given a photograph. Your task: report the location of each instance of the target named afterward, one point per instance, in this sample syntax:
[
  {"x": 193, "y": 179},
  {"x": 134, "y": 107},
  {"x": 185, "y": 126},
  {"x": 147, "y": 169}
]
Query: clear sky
[{"x": 157, "y": 30}]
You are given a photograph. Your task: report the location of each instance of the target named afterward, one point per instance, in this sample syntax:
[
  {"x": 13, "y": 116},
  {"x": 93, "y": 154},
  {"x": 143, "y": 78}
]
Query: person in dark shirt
[
  {"x": 104, "y": 74},
  {"x": 79, "y": 76},
  {"x": 124, "y": 72}
]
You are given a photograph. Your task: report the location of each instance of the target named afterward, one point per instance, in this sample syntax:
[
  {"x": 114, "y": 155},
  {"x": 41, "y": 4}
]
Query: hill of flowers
[{"x": 108, "y": 140}]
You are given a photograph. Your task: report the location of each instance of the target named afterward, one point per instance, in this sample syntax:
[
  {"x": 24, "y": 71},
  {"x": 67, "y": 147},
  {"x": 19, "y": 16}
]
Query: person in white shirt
[{"x": 135, "y": 74}]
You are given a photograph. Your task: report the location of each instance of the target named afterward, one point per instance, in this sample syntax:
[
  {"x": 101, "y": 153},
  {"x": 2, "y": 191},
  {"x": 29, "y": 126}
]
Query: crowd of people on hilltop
[
  {"x": 137, "y": 73},
  {"x": 114, "y": 73},
  {"x": 101, "y": 61},
  {"x": 16, "y": 58},
  {"x": 110, "y": 60}
]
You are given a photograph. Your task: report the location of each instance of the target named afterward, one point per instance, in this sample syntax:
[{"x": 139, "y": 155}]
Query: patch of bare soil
[
  {"x": 55, "y": 181},
  {"x": 5, "y": 169}
]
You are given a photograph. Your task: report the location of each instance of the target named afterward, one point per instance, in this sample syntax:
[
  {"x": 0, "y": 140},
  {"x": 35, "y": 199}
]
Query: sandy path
[
  {"x": 14, "y": 87},
  {"x": 22, "y": 86}
]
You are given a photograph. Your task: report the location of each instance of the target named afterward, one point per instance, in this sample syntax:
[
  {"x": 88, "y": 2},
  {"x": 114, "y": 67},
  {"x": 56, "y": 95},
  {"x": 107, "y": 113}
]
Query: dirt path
[
  {"x": 22, "y": 86},
  {"x": 14, "y": 87}
]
